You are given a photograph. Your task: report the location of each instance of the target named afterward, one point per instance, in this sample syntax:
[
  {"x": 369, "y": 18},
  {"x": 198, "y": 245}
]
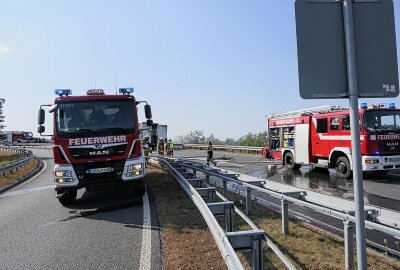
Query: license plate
[{"x": 100, "y": 170}]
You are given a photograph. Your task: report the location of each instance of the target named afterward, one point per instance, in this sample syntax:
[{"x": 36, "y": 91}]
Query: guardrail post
[
  {"x": 348, "y": 243},
  {"x": 224, "y": 185},
  {"x": 257, "y": 255},
  {"x": 285, "y": 216},
  {"x": 229, "y": 218},
  {"x": 248, "y": 200}
]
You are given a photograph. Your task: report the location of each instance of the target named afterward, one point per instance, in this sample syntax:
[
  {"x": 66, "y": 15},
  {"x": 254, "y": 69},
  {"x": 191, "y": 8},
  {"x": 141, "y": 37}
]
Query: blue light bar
[
  {"x": 392, "y": 105},
  {"x": 63, "y": 92},
  {"x": 126, "y": 90},
  {"x": 364, "y": 105}
]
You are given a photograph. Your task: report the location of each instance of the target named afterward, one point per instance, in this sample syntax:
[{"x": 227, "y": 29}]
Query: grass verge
[
  {"x": 186, "y": 241},
  {"x": 307, "y": 246},
  {"x": 7, "y": 157},
  {"x": 14, "y": 176}
]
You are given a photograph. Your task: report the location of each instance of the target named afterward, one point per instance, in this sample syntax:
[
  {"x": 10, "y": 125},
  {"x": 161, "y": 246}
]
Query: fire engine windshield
[
  {"x": 95, "y": 118},
  {"x": 380, "y": 121}
]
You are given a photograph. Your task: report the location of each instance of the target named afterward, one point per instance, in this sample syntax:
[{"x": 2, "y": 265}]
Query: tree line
[{"x": 198, "y": 137}]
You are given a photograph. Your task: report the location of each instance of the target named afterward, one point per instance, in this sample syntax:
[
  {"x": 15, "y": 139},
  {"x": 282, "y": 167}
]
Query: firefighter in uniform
[
  {"x": 160, "y": 146},
  {"x": 146, "y": 147},
  {"x": 170, "y": 148},
  {"x": 165, "y": 146}
]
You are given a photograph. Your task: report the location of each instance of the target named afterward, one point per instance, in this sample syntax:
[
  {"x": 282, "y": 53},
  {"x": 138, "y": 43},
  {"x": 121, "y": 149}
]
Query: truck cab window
[
  {"x": 346, "y": 122},
  {"x": 322, "y": 125},
  {"x": 334, "y": 123}
]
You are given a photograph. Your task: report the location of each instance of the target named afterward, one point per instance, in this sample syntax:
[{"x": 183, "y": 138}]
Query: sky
[{"x": 216, "y": 66}]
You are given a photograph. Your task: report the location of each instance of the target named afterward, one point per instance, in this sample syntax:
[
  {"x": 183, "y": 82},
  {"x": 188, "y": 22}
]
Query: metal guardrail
[
  {"x": 227, "y": 241},
  {"x": 225, "y": 148},
  {"x": 382, "y": 220},
  {"x": 28, "y": 155}
]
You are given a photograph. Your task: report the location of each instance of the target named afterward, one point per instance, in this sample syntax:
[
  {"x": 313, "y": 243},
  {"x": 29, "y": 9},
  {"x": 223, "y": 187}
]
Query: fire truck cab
[
  {"x": 96, "y": 141},
  {"x": 321, "y": 137}
]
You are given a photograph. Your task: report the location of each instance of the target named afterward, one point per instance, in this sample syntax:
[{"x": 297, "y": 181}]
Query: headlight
[
  {"x": 135, "y": 167},
  {"x": 62, "y": 173}
]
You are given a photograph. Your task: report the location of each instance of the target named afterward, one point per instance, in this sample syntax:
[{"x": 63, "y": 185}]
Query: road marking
[
  {"x": 39, "y": 173},
  {"x": 145, "y": 255},
  {"x": 25, "y": 191}
]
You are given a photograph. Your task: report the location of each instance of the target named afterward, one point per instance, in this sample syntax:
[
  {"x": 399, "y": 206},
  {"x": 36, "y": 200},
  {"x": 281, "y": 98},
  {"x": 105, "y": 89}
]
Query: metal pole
[{"x": 355, "y": 133}]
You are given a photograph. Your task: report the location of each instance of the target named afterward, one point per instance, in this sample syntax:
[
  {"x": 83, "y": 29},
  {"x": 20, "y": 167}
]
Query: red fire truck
[
  {"x": 96, "y": 141},
  {"x": 16, "y": 136},
  {"x": 321, "y": 137}
]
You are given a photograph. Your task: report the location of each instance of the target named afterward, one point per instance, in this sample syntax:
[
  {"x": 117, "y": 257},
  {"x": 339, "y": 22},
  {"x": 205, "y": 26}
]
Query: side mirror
[
  {"x": 41, "y": 129},
  {"x": 147, "y": 111},
  {"x": 41, "y": 116},
  {"x": 149, "y": 123}
]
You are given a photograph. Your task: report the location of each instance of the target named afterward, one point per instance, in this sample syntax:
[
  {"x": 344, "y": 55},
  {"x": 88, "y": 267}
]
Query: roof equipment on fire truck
[
  {"x": 95, "y": 92},
  {"x": 309, "y": 111}
]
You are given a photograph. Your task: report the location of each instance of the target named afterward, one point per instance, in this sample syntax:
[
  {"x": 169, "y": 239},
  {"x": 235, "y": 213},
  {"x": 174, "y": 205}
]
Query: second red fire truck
[{"x": 321, "y": 137}]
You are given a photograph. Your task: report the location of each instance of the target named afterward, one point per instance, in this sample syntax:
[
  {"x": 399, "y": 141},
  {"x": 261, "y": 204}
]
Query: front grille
[
  {"x": 84, "y": 177},
  {"x": 93, "y": 152},
  {"x": 389, "y": 146}
]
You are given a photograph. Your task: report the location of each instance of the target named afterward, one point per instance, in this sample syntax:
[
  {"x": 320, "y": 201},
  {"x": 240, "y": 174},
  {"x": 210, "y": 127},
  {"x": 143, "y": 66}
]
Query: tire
[
  {"x": 67, "y": 196},
  {"x": 288, "y": 161},
  {"x": 297, "y": 167},
  {"x": 139, "y": 187},
  {"x": 381, "y": 173},
  {"x": 342, "y": 167}
]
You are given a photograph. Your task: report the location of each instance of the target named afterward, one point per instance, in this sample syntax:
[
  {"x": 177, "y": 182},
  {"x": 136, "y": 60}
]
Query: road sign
[{"x": 322, "y": 53}]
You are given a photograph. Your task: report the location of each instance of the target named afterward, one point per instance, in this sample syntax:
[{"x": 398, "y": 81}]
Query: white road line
[
  {"x": 25, "y": 191},
  {"x": 145, "y": 255},
  {"x": 39, "y": 173}
]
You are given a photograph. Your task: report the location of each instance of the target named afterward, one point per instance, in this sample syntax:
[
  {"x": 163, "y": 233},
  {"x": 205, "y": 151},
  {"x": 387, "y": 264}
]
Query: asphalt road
[
  {"x": 102, "y": 230},
  {"x": 379, "y": 192}
]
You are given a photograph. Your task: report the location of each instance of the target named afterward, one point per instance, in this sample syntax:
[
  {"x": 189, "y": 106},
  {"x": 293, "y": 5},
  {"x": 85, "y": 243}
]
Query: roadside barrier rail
[
  {"x": 229, "y": 240},
  {"x": 382, "y": 220},
  {"x": 27, "y": 156},
  {"x": 226, "y": 148}
]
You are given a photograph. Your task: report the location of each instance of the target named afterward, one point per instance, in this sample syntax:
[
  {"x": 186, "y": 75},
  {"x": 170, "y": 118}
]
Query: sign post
[
  {"x": 355, "y": 133},
  {"x": 347, "y": 49}
]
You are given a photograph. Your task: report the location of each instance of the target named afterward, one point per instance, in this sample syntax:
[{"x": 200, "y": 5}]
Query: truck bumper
[
  {"x": 101, "y": 173},
  {"x": 380, "y": 163}
]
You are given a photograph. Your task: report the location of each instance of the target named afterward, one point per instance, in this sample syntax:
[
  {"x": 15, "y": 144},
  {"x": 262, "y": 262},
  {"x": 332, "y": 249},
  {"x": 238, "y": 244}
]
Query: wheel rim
[{"x": 341, "y": 167}]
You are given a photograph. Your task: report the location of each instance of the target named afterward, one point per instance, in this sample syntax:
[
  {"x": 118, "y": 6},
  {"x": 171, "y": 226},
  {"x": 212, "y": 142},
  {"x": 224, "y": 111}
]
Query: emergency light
[
  {"x": 63, "y": 92},
  {"x": 126, "y": 90},
  {"x": 392, "y": 105},
  {"x": 364, "y": 105}
]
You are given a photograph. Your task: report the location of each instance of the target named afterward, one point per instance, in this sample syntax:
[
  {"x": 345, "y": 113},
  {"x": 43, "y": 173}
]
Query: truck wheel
[
  {"x": 288, "y": 160},
  {"x": 343, "y": 167},
  {"x": 67, "y": 196},
  {"x": 139, "y": 187},
  {"x": 381, "y": 173}
]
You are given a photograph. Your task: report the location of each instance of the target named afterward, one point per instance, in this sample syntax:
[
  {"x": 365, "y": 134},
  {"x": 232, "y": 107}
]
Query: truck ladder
[{"x": 309, "y": 111}]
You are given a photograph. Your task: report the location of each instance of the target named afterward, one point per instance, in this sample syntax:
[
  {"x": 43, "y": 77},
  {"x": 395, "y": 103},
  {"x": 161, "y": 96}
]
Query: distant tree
[
  {"x": 194, "y": 137},
  {"x": 214, "y": 140},
  {"x": 2, "y": 126},
  {"x": 230, "y": 141},
  {"x": 254, "y": 139}
]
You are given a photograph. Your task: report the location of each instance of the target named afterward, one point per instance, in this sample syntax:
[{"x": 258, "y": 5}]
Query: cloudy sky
[{"x": 216, "y": 66}]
